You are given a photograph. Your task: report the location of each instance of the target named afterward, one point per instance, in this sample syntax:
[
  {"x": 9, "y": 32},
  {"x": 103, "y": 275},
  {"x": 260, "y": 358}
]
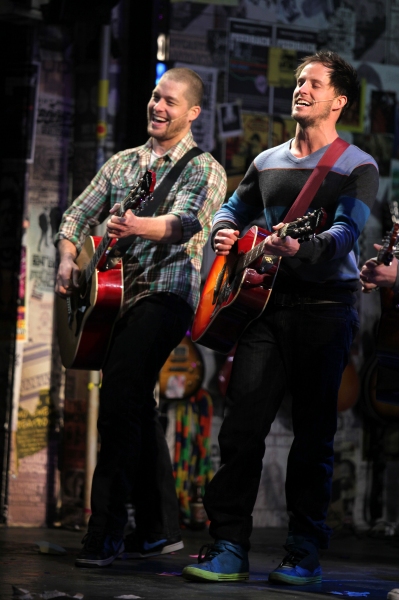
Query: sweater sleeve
[{"x": 352, "y": 211}]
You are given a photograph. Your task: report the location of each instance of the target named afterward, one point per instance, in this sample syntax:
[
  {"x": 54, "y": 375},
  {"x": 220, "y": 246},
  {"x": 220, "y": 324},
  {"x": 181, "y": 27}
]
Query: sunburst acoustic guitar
[{"x": 238, "y": 286}]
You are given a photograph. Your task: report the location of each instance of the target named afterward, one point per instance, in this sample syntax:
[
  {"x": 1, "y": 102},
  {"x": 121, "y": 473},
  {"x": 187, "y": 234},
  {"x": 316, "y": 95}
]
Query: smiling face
[
  {"x": 315, "y": 99},
  {"x": 169, "y": 113}
]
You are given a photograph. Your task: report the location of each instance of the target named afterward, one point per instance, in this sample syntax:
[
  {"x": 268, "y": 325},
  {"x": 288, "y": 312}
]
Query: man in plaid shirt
[{"x": 161, "y": 293}]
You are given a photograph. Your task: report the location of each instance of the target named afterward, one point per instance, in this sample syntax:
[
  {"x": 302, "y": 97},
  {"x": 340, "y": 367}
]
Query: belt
[{"x": 296, "y": 300}]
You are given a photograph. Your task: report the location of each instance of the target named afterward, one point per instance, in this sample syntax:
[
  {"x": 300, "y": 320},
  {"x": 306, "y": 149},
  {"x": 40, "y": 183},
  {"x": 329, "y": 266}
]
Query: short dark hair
[
  {"x": 343, "y": 76},
  {"x": 195, "y": 85}
]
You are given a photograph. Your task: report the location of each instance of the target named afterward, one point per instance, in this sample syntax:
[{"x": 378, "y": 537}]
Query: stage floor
[{"x": 355, "y": 566}]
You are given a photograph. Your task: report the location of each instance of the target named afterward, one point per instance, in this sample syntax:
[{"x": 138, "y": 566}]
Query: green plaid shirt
[{"x": 151, "y": 267}]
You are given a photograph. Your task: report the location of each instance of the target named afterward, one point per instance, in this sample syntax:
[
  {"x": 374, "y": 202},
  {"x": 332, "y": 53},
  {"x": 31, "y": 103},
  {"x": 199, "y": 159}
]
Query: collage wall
[{"x": 246, "y": 52}]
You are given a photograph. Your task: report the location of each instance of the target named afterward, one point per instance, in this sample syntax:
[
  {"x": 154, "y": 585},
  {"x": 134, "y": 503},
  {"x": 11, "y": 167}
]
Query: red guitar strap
[{"x": 308, "y": 192}]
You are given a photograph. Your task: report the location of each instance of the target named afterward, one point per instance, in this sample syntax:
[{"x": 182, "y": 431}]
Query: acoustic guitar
[
  {"x": 85, "y": 319},
  {"x": 238, "y": 286},
  {"x": 182, "y": 375}
]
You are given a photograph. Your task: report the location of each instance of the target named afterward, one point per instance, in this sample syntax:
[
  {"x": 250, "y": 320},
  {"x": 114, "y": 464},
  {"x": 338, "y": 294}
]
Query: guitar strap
[
  {"x": 160, "y": 194},
  {"x": 309, "y": 190}
]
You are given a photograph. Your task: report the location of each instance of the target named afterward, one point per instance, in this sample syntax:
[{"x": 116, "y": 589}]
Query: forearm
[
  {"x": 165, "y": 229},
  {"x": 68, "y": 271},
  {"x": 67, "y": 249}
]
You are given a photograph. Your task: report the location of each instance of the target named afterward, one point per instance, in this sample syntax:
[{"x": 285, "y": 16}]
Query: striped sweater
[{"x": 326, "y": 266}]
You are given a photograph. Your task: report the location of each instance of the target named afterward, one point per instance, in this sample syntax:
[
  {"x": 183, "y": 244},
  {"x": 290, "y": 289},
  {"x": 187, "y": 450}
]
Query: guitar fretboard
[
  {"x": 87, "y": 274},
  {"x": 247, "y": 258}
]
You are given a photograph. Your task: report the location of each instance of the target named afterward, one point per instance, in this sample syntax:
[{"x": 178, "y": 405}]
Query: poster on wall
[
  {"x": 382, "y": 111},
  {"x": 190, "y": 28},
  {"x": 248, "y": 58},
  {"x": 203, "y": 128},
  {"x": 32, "y": 489},
  {"x": 290, "y": 46},
  {"x": 353, "y": 118},
  {"x": 377, "y": 136},
  {"x": 229, "y": 119},
  {"x": 260, "y": 132},
  {"x": 240, "y": 151}
]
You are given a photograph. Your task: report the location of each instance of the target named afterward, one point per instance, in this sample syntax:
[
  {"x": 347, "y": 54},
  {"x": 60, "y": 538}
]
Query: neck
[
  {"x": 310, "y": 139},
  {"x": 162, "y": 146}
]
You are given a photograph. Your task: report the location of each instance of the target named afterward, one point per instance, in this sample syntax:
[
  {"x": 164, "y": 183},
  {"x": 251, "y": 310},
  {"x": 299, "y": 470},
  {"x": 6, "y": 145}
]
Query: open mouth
[
  {"x": 301, "y": 102},
  {"x": 157, "y": 119}
]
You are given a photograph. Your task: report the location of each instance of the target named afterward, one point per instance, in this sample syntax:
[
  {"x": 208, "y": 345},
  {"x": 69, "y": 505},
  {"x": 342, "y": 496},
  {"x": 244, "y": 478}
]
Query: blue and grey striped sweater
[{"x": 326, "y": 266}]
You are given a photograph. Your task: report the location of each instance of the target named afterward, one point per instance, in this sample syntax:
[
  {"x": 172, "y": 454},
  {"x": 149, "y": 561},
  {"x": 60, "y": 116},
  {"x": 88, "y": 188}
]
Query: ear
[
  {"x": 339, "y": 102},
  {"x": 194, "y": 113}
]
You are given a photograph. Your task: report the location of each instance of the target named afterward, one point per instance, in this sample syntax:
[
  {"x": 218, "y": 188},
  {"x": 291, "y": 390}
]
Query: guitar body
[
  {"x": 230, "y": 301},
  {"x": 85, "y": 320},
  {"x": 182, "y": 374}
]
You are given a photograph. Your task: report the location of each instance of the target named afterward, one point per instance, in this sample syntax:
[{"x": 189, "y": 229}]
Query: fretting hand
[{"x": 281, "y": 246}]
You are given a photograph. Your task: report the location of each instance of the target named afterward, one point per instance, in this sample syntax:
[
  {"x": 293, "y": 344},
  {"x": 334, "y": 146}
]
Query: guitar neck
[
  {"x": 258, "y": 250},
  {"x": 139, "y": 194},
  {"x": 88, "y": 272},
  {"x": 247, "y": 258},
  {"x": 389, "y": 248}
]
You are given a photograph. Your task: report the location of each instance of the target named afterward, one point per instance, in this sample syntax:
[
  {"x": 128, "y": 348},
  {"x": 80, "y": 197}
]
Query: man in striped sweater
[{"x": 300, "y": 343}]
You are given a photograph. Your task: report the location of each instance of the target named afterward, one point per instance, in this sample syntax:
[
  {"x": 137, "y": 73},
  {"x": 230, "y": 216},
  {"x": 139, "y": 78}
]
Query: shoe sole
[
  {"x": 281, "y": 578},
  {"x": 86, "y": 562},
  {"x": 165, "y": 550},
  {"x": 194, "y": 574}
]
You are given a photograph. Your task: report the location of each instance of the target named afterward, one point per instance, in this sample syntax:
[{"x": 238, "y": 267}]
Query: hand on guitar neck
[
  {"x": 381, "y": 272},
  {"x": 276, "y": 244}
]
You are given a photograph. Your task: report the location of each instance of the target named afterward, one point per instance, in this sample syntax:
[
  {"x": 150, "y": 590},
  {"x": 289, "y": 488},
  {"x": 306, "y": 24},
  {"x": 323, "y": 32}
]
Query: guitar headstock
[
  {"x": 141, "y": 193},
  {"x": 305, "y": 227},
  {"x": 389, "y": 243}
]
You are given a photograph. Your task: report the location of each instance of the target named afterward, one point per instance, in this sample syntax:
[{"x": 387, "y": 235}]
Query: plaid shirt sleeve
[
  {"x": 90, "y": 208},
  {"x": 202, "y": 188}
]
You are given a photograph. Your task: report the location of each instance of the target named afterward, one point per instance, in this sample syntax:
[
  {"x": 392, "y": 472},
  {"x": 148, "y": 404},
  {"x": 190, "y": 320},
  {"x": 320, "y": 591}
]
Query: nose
[
  {"x": 159, "y": 104},
  {"x": 301, "y": 86}
]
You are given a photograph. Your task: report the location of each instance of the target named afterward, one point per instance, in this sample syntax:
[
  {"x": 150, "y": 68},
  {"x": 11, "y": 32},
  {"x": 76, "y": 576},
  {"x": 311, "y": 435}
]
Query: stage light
[{"x": 161, "y": 68}]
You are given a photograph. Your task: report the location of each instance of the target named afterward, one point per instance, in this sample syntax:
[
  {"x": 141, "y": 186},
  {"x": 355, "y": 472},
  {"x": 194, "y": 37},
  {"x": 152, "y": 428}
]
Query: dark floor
[{"x": 355, "y": 566}]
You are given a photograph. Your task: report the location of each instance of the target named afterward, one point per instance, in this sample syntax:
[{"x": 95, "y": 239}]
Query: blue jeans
[
  {"x": 134, "y": 461},
  {"x": 303, "y": 349}
]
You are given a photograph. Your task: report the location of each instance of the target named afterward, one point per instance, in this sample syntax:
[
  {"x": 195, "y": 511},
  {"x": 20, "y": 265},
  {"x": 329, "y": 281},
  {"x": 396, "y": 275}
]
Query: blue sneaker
[
  {"x": 300, "y": 567},
  {"x": 223, "y": 561},
  {"x": 135, "y": 548}
]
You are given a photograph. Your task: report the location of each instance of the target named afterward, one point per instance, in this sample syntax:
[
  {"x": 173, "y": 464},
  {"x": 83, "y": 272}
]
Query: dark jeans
[
  {"x": 303, "y": 349},
  {"x": 134, "y": 458}
]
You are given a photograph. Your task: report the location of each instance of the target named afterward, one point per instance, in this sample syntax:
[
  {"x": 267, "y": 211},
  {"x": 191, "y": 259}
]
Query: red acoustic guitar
[
  {"x": 238, "y": 286},
  {"x": 85, "y": 320}
]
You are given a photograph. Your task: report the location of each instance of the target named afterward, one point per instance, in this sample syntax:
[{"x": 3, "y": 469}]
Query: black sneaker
[
  {"x": 134, "y": 548},
  {"x": 99, "y": 549}
]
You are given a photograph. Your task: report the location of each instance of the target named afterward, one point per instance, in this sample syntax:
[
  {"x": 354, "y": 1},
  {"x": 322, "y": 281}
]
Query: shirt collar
[{"x": 176, "y": 152}]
